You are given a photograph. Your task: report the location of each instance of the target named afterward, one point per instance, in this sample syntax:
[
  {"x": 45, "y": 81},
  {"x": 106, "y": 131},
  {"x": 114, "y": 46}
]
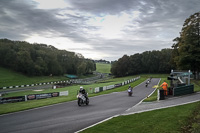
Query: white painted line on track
[
  {"x": 161, "y": 107},
  {"x": 136, "y": 112},
  {"x": 114, "y": 115},
  {"x": 144, "y": 98},
  {"x": 96, "y": 123},
  {"x": 35, "y": 108},
  {"x": 154, "y": 89}
]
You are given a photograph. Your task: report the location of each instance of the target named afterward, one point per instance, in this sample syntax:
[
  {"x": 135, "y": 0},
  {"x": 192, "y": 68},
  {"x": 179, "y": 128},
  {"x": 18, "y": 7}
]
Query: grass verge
[
  {"x": 169, "y": 120},
  {"x": 103, "y": 68},
  {"x": 11, "y": 78}
]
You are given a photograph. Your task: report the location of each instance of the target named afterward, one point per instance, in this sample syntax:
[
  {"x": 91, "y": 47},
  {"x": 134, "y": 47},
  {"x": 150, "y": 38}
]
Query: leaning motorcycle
[
  {"x": 82, "y": 100},
  {"x": 130, "y": 92}
]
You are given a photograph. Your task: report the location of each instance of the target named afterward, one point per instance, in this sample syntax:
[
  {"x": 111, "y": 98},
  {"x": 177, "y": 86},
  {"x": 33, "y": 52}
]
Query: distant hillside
[
  {"x": 103, "y": 68},
  {"x": 102, "y": 61},
  {"x": 12, "y": 78},
  {"x": 42, "y": 60}
]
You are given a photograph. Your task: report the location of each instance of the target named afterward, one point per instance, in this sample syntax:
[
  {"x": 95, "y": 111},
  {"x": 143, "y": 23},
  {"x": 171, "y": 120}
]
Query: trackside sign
[{"x": 32, "y": 97}]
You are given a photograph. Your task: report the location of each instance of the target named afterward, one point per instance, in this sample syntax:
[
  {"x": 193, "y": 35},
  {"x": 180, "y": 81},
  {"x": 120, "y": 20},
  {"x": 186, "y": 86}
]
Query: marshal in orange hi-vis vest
[{"x": 164, "y": 86}]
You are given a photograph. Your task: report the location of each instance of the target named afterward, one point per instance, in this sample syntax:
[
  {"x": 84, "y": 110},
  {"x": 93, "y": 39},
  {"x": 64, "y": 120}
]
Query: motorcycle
[
  {"x": 82, "y": 100},
  {"x": 130, "y": 92},
  {"x": 147, "y": 83}
]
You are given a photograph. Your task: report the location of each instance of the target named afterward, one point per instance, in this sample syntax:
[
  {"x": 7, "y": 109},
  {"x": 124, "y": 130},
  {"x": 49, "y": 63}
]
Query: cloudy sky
[{"x": 98, "y": 29}]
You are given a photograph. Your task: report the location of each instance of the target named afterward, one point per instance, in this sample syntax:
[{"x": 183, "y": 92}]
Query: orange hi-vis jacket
[{"x": 164, "y": 86}]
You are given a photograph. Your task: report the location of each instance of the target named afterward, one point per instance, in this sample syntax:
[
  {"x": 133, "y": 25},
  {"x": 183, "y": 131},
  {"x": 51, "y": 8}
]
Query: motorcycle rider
[
  {"x": 130, "y": 89},
  {"x": 147, "y": 83},
  {"x": 82, "y": 91}
]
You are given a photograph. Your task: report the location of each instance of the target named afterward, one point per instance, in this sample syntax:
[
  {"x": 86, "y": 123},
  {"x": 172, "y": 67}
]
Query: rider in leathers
[{"x": 82, "y": 91}]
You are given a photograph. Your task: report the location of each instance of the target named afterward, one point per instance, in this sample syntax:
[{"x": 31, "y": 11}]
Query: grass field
[
  {"x": 169, "y": 120},
  {"x": 103, "y": 68},
  {"x": 11, "y": 78}
]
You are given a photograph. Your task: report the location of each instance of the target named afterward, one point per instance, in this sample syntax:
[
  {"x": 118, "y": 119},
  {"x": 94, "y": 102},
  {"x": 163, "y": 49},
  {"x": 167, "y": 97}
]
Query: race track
[{"x": 69, "y": 117}]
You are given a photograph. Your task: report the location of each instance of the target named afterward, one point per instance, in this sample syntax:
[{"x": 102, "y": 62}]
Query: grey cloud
[
  {"x": 168, "y": 9},
  {"x": 24, "y": 19},
  {"x": 117, "y": 48},
  {"x": 130, "y": 47},
  {"x": 159, "y": 22},
  {"x": 99, "y": 7}
]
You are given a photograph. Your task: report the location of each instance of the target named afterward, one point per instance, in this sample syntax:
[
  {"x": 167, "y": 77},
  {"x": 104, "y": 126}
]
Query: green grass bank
[
  {"x": 169, "y": 120},
  {"x": 103, "y": 68}
]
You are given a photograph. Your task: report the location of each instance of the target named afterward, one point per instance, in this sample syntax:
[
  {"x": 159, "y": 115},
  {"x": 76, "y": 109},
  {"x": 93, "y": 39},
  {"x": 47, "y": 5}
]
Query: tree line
[
  {"x": 186, "y": 47},
  {"x": 146, "y": 62},
  {"x": 184, "y": 54},
  {"x": 41, "y": 59}
]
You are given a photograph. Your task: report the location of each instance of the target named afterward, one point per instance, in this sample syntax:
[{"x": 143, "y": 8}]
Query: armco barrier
[
  {"x": 64, "y": 93},
  {"x": 33, "y": 97},
  {"x": 110, "y": 87},
  {"x": 118, "y": 85},
  {"x": 12, "y": 99},
  {"x": 96, "y": 90},
  {"x": 66, "y": 81},
  {"x": 100, "y": 89},
  {"x": 55, "y": 82},
  {"x": 45, "y": 83},
  {"x": 42, "y": 96},
  {"x": 21, "y": 86}
]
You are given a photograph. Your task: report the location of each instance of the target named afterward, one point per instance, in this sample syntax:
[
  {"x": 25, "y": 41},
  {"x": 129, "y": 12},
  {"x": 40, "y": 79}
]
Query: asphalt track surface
[{"x": 69, "y": 117}]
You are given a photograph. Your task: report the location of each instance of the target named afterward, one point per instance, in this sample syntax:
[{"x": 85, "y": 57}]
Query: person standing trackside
[{"x": 164, "y": 85}]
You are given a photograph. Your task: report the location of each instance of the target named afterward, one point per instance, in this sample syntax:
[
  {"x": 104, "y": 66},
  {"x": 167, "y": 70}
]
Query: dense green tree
[
  {"x": 90, "y": 66},
  {"x": 121, "y": 67},
  {"x": 24, "y": 62},
  {"x": 42, "y": 59},
  {"x": 136, "y": 63},
  {"x": 81, "y": 68},
  {"x": 164, "y": 61},
  {"x": 187, "y": 46},
  {"x": 114, "y": 68},
  {"x": 146, "y": 62}
]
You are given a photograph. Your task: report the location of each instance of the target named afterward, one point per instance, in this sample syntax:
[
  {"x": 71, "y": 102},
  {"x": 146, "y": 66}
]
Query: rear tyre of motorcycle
[
  {"x": 79, "y": 102},
  {"x": 87, "y": 102}
]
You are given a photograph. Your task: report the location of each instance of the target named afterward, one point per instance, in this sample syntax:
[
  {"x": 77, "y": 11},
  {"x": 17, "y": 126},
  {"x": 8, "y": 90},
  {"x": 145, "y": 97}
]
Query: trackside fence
[
  {"x": 57, "y": 94},
  {"x": 32, "y": 97},
  {"x": 104, "y": 88}
]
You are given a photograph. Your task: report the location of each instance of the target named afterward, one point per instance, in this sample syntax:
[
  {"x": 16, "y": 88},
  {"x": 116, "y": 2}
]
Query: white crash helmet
[{"x": 81, "y": 88}]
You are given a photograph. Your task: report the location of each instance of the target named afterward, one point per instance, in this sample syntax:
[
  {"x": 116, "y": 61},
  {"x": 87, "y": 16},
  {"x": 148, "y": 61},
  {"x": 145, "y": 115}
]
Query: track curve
[{"x": 69, "y": 117}]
